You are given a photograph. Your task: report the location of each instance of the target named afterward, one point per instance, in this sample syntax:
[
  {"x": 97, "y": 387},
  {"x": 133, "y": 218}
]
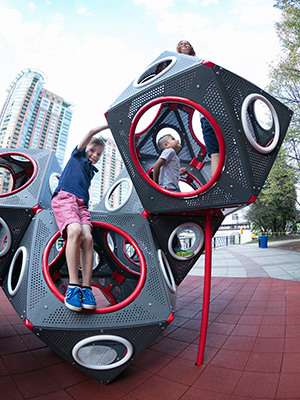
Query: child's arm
[
  {"x": 183, "y": 171},
  {"x": 87, "y": 138},
  {"x": 156, "y": 169}
]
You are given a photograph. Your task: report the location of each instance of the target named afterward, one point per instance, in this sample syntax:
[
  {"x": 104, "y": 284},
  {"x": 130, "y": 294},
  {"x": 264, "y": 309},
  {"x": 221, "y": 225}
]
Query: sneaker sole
[
  {"x": 73, "y": 308},
  {"x": 88, "y": 307}
]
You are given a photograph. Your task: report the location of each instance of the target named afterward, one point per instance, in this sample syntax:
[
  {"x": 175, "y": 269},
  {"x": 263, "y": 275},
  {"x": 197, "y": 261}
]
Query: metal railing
[{"x": 225, "y": 241}]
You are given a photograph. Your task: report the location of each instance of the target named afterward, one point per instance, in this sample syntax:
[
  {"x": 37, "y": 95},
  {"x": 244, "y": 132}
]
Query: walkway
[{"x": 252, "y": 348}]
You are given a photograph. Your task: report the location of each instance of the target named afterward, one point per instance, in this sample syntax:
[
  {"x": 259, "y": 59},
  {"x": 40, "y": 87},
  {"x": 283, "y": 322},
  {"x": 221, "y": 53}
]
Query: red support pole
[{"x": 206, "y": 290}]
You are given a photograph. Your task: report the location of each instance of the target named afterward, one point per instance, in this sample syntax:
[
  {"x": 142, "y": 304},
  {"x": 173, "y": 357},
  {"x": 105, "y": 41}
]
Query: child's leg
[
  {"x": 214, "y": 158},
  {"x": 74, "y": 241},
  {"x": 87, "y": 255}
]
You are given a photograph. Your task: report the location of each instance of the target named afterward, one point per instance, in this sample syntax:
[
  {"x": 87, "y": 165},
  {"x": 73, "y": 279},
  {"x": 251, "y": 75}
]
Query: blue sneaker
[
  {"x": 73, "y": 298},
  {"x": 88, "y": 299}
]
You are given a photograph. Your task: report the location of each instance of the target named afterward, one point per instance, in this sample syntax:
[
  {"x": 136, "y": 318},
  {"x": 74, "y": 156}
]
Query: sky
[{"x": 91, "y": 51}]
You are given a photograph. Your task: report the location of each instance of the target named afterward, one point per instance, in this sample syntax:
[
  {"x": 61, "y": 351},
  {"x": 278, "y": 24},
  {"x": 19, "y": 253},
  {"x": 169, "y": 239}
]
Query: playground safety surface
[{"x": 252, "y": 347}]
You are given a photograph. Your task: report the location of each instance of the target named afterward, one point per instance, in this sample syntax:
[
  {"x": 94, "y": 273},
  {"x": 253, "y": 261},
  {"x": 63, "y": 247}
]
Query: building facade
[
  {"x": 109, "y": 167},
  {"x": 33, "y": 117}
]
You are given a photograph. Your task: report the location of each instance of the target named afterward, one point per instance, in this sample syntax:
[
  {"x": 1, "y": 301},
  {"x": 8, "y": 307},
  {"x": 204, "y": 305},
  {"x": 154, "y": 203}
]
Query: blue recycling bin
[{"x": 263, "y": 242}]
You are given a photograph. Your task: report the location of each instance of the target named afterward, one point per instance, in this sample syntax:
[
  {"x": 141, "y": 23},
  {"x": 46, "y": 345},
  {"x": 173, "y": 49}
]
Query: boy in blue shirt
[{"x": 70, "y": 208}]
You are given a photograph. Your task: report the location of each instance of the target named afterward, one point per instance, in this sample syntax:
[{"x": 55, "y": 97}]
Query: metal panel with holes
[
  {"x": 174, "y": 100},
  {"x": 135, "y": 296},
  {"x": 28, "y": 177}
]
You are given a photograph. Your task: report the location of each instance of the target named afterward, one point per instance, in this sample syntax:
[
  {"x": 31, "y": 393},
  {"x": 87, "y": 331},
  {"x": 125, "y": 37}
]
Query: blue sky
[{"x": 92, "y": 50}]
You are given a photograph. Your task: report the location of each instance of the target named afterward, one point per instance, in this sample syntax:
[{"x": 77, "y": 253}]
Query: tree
[
  {"x": 275, "y": 208},
  {"x": 285, "y": 76}
]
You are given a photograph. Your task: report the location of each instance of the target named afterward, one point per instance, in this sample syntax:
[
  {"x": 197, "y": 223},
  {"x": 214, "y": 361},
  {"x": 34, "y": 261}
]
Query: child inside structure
[
  {"x": 167, "y": 172},
  {"x": 70, "y": 207},
  {"x": 210, "y": 138}
]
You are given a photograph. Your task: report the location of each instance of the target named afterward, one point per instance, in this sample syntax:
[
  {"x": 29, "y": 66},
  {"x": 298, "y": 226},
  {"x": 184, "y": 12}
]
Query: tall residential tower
[
  {"x": 109, "y": 167},
  {"x": 33, "y": 117}
]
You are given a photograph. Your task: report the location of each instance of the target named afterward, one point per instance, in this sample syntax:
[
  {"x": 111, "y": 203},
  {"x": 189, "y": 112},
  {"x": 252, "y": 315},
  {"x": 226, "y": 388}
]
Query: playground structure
[{"x": 136, "y": 269}]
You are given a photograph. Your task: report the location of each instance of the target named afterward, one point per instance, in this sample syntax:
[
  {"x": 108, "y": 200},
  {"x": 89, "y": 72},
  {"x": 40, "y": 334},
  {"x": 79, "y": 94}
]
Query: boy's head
[
  {"x": 95, "y": 149},
  {"x": 168, "y": 141}
]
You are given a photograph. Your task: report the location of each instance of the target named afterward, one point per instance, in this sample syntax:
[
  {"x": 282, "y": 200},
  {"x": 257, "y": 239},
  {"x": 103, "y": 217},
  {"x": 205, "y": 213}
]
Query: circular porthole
[
  {"x": 16, "y": 271},
  {"x": 166, "y": 270},
  {"x": 154, "y": 71},
  {"x": 53, "y": 181},
  {"x": 174, "y": 114},
  {"x": 113, "y": 238},
  {"x": 18, "y": 171},
  {"x": 118, "y": 194},
  {"x": 260, "y": 123},
  {"x": 5, "y": 237},
  {"x": 102, "y": 352},
  {"x": 186, "y": 241},
  {"x": 147, "y": 119}
]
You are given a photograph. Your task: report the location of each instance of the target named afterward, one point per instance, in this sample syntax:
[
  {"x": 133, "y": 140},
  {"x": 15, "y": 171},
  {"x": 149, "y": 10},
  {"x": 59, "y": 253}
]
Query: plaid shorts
[{"x": 68, "y": 209}]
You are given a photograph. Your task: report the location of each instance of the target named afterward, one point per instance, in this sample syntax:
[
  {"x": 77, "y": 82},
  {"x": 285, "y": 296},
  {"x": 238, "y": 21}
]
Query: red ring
[
  {"x": 214, "y": 125},
  {"x": 116, "y": 258},
  {"x": 112, "y": 308},
  {"x": 129, "y": 259},
  {"x": 34, "y": 172}
]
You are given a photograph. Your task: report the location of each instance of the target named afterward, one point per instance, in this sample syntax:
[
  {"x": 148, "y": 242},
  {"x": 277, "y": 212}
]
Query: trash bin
[{"x": 264, "y": 242}]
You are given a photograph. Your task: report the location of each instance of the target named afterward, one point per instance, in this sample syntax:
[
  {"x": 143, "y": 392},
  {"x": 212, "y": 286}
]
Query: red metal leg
[{"x": 206, "y": 290}]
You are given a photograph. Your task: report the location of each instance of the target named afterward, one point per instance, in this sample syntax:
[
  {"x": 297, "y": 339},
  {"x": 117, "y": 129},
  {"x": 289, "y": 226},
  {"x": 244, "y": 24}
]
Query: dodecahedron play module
[{"x": 146, "y": 238}]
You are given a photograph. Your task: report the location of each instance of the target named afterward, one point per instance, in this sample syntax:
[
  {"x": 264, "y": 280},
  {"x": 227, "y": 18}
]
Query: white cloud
[
  {"x": 32, "y": 6},
  {"x": 203, "y": 3},
  {"x": 81, "y": 70},
  {"x": 183, "y": 23},
  {"x": 15, "y": 32},
  {"x": 58, "y": 18},
  {"x": 155, "y": 6},
  {"x": 83, "y": 11}
]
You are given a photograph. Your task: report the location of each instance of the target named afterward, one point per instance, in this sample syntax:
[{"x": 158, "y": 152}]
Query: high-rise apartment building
[
  {"x": 109, "y": 167},
  {"x": 33, "y": 117}
]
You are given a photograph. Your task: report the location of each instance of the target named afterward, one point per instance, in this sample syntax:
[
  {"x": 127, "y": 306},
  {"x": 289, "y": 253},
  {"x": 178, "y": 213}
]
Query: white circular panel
[
  {"x": 101, "y": 356},
  {"x": 124, "y": 197},
  {"x": 166, "y": 270},
  {"x": 5, "y": 237},
  {"x": 196, "y": 246},
  {"x": 152, "y": 72},
  {"x": 53, "y": 181},
  {"x": 247, "y": 101},
  {"x": 21, "y": 252}
]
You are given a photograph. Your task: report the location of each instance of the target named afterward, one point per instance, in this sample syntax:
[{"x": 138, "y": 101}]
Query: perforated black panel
[
  {"x": 38, "y": 288},
  {"x": 17, "y": 222},
  {"x": 63, "y": 343},
  {"x": 213, "y": 102},
  {"x": 37, "y": 192}
]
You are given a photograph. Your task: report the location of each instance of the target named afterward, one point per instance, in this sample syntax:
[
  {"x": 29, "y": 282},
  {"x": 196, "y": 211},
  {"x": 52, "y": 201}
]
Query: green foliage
[
  {"x": 285, "y": 76},
  {"x": 275, "y": 208}
]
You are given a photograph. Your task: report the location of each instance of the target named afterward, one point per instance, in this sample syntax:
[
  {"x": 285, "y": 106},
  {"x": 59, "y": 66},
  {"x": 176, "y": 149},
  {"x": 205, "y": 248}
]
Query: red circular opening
[
  {"x": 22, "y": 170},
  {"x": 114, "y": 307},
  {"x": 211, "y": 120}
]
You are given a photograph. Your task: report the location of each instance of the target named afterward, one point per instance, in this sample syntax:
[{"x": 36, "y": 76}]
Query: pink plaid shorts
[{"x": 68, "y": 209}]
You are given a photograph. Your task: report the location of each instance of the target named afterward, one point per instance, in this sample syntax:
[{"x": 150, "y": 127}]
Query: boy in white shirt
[{"x": 167, "y": 170}]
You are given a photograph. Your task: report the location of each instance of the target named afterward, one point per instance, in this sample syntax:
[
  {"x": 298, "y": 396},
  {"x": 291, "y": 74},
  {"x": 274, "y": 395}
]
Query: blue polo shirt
[{"x": 77, "y": 175}]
